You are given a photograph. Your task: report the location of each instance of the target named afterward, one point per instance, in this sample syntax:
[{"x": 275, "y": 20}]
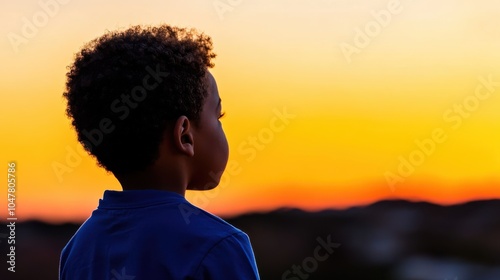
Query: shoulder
[
  {"x": 222, "y": 250},
  {"x": 230, "y": 258},
  {"x": 194, "y": 217}
]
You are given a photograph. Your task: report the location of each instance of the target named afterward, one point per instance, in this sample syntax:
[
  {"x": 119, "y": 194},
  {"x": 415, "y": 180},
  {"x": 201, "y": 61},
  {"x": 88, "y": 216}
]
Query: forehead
[{"x": 213, "y": 93}]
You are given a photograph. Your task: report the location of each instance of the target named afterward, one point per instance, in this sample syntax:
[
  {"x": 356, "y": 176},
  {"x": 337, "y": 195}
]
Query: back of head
[{"x": 125, "y": 87}]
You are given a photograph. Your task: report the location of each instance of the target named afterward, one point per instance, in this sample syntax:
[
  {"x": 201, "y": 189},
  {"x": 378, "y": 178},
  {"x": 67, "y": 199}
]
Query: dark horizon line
[{"x": 296, "y": 209}]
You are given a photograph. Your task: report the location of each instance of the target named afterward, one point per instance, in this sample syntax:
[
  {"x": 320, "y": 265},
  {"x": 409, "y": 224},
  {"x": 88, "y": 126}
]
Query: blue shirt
[{"x": 152, "y": 234}]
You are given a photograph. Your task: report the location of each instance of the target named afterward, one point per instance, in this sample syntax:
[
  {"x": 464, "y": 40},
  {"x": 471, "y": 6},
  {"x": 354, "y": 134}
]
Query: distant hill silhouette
[{"x": 393, "y": 239}]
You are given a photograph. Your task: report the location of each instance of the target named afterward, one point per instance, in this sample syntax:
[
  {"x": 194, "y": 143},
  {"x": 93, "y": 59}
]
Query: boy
[{"x": 145, "y": 106}]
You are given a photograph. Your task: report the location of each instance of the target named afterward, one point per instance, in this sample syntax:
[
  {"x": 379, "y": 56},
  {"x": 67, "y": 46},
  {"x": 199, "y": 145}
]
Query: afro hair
[{"x": 125, "y": 87}]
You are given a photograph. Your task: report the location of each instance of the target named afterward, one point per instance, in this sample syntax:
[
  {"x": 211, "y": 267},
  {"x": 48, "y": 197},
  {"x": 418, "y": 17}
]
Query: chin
[{"x": 204, "y": 187}]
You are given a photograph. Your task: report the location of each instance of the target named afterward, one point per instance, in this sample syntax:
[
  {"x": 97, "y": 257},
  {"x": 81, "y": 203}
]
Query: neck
[{"x": 154, "y": 180}]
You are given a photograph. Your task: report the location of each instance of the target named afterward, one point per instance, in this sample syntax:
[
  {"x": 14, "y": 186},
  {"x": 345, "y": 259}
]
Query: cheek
[
  {"x": 214, "y": 148},
  {"x": 223, "y": 145},
  {"x": 215, "y": 153}
]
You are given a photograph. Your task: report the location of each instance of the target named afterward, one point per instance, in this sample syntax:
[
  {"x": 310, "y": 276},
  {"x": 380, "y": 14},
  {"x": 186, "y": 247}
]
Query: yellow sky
[{"x": 362, "y": 81}]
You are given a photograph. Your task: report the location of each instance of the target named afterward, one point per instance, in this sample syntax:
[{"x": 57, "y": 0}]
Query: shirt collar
[{"x": 137, "y": 198}]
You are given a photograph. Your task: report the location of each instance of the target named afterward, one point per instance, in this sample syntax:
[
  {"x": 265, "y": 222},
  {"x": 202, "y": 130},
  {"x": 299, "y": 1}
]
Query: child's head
[{"x": 145, "y": 106}]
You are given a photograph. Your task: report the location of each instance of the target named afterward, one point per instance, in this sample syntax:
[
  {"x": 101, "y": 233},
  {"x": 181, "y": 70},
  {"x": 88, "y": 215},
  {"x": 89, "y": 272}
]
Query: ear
[{"x": 183, "y": 136}]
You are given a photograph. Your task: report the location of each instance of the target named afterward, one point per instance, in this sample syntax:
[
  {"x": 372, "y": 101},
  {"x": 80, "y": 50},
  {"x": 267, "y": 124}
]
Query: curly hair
[{"x": 125, "y": 87}]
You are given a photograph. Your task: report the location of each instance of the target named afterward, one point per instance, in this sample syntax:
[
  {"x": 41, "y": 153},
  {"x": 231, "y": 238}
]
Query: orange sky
[{"x": 373, "y": 89}]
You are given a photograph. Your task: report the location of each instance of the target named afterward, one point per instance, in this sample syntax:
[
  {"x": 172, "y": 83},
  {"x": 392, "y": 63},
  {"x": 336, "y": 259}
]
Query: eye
[{"x": 222, "y": 115}]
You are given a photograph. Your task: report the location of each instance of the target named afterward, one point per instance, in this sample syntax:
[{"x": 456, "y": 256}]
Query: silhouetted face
[{"x": 211, "y": 149}]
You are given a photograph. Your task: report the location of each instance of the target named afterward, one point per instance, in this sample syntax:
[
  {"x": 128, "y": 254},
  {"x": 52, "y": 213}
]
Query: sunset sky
[{"x": 350, "y": 101}]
